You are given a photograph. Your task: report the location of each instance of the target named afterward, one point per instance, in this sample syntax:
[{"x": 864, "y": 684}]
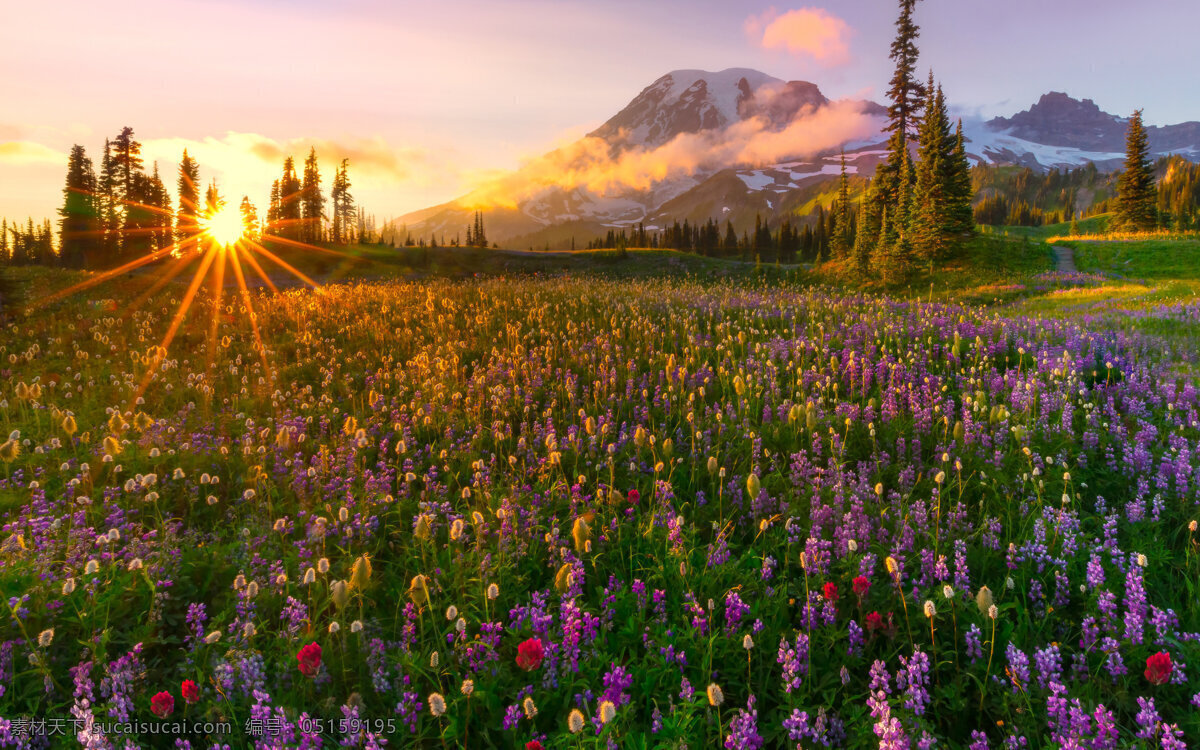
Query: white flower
[
  {"x": 747, "y": 642},
  {"x": 468, "y": 687},
  {"x": 930, "y": 609},
  {"x": 493, "y": 590},
  {"x": 437, "y": 704},
  {"x": 45, "y": 637},
  {"x": 575, "y": 721},
  {"x": 334, "y": 627},
  {"x": 213, "y": 637},
  {"x": 356, "y": 626}
]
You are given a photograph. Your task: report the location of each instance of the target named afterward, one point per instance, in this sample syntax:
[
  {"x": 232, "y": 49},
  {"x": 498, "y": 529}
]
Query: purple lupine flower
[
  {"x": 974, "y": 639},
  {"x": 793, "y": 657},
  {"x": 914, "y": 678},
  {"x": 735, "y": 610},
  {"x": 743, "y": 729}
]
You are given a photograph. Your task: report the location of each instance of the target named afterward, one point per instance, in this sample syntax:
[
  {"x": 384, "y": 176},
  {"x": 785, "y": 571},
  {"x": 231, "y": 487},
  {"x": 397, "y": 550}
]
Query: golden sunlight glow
[{"x": 224, "y": 226}]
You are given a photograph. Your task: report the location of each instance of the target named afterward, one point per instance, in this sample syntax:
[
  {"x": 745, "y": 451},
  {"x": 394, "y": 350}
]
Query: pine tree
[
  {"x": 841, "y": 233},
  {"x": 110, "y": 211},
  {"x": 273, "y": 205},
  {"x": 343, "y": 205},
  {"x": 160, "y": 199},
  {"x": 187, "y": 187},
  {"x": 249, "y": 219},
  {"x": 906, "y": 96},
  {"x": 931, "y": 232},
  {"x": 1137, "y": 199},
  {"x": 289, "y": 219},
  {"x": 960, "y": 193},
  {"x": 131, "y": 188},
  {"x": 864, "y": 239},
  {"x": 313, "y": 202},
  {"x": 80, "y": 226}
]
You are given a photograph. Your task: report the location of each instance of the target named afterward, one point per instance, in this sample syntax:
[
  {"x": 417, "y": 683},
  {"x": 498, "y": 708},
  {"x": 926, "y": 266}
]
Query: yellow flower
[
  {"x": 360, "y": 576},
  {"x": 753, "y": 486},
  {"x": 582, "y": 534},
  {"x": 418, "y": 590}
]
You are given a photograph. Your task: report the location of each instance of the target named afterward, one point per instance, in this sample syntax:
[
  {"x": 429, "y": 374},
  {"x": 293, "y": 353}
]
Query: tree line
[{"x": 123, "y": 211}]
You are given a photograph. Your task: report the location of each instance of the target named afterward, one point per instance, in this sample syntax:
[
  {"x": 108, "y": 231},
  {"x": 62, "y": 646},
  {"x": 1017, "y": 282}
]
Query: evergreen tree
[
  {"x": 249, "y": 219},
  {"x": 79, "y": 227},
  {"x": 131, "y": 188},
  {"x": 289, "y": 220},
  {"x": 960, "y": 192},
  {"x": 313, "y": 201},
  {"x": 931, "y": 231},
  {"x": 343, "y": 205},
  {"x": 4, "y": 256},
  {"x": 1137, "y": 201},
  {"x": 730, "y": 246},
  {"x": 842, "y": 240},
  {"x": 864, "y": 239},
  {"x": 187, "y": 187},
  {"x": 273, "y": 205},
  {"x": 110, "y": 211},
  {"x": 160, "y": 200},
  {"x": 905, "y": 95}
]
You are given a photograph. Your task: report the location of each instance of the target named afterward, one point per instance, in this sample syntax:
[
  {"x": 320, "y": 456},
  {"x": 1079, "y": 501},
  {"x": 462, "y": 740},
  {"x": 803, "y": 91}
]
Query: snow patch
[{"x": 756, "y": 180}]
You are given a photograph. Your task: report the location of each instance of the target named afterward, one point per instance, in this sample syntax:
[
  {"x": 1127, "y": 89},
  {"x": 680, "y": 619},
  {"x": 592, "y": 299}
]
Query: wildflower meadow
[{"x": 577, "y": 512}]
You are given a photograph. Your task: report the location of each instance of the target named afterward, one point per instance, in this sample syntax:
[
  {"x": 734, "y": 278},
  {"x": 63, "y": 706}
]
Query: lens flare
[{"x": 224, "y": 226}]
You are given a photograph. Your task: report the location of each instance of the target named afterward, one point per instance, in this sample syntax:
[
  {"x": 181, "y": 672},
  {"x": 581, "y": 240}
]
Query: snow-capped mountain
[
  {"x": 1061, "y": 132},
  {"x": 684, "y": 104},
  {"x": 715, "y": 123}
]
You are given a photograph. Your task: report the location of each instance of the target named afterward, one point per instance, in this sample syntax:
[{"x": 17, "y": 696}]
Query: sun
[{"x": 224, "y": 226}]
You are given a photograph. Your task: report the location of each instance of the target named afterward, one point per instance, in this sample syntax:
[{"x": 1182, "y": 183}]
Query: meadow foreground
[{"x": 580, "y": 512}]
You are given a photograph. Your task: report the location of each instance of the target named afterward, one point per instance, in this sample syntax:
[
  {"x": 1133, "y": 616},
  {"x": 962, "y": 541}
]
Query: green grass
[
  {"x": 1091, "y": 225},
  {"x": 1151, "y": 258}
]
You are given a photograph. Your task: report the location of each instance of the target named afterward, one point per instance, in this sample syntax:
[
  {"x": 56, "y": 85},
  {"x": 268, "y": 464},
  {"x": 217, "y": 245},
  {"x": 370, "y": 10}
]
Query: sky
[{"x": 429, "y": 99}]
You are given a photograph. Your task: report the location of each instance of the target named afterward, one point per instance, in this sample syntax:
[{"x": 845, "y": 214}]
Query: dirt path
[{"x": 1064, "y": 259}]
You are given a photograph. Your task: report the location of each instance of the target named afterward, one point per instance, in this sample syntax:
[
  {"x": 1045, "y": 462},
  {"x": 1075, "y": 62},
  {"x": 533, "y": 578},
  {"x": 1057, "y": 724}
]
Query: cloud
[
  {"x": 28, "y": 152},
  {"x": 805, "y": 32},
  {"x": 590, "y": 163}
]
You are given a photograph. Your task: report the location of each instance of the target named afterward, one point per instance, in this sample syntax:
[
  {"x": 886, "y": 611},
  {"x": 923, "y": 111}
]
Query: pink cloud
[{"x": 808, "y": 32}]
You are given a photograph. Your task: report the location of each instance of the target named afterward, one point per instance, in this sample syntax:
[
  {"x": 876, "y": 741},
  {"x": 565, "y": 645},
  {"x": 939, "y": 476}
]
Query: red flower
[
  {"x": 530, "y": 654},
  {"x": 190, "y": 691},
  {"x": 533, "y": 745},
  {"x": 831, "y": 592},
  {"x": 309, "y": 658},
  {"x": 874, "y": 622},
  {"x": 861, "y": 586},
  {"x": 633, "y": 497},
  {"x": 162, "y": 704},
  {"x": 1159, "y": 668}
]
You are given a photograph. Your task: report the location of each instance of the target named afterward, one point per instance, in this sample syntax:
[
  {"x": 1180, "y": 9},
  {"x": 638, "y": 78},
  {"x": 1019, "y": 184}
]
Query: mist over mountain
[{"x": 737, "y": 143}]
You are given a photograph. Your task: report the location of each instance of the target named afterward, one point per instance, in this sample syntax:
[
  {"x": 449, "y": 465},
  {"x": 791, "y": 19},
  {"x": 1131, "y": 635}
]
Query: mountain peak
[
  {"x": 684, "y": 101},
  {"x": 1057, "y": 119}
]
